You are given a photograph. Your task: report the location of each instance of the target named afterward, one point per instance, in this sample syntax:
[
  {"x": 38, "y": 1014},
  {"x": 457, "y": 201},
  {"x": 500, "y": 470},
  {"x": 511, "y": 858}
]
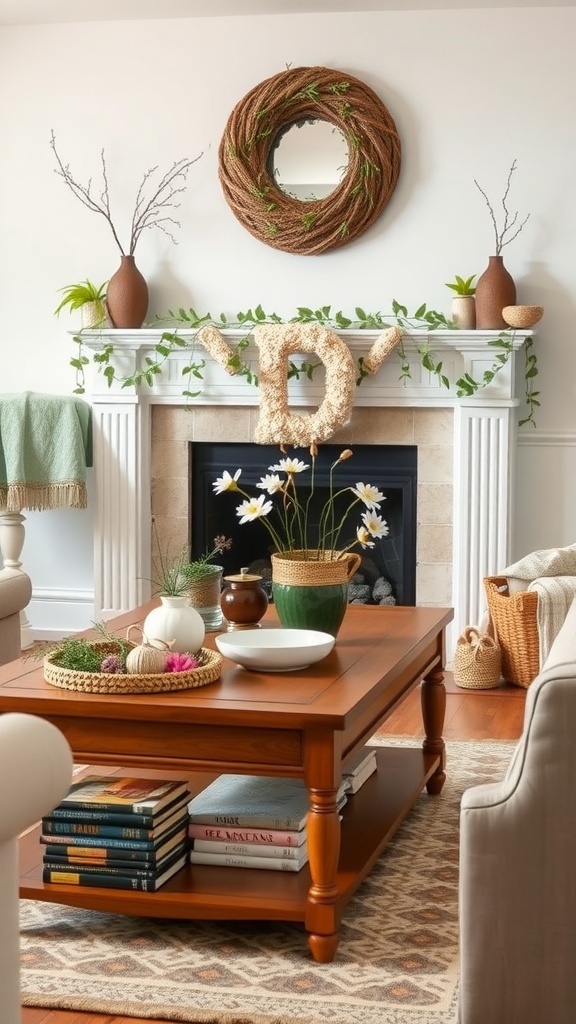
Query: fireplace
[
  {"x": 466, "y": 452},
  {"x": 391, "y": 468}
]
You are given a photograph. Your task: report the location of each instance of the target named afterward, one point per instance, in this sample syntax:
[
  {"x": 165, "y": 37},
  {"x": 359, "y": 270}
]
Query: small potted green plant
[
  {"x": 199, "y": 581},
  {"x": 89, "y": 298},
  {"x": 204, "y": 579},
  {"x": 463, "y": 302}
]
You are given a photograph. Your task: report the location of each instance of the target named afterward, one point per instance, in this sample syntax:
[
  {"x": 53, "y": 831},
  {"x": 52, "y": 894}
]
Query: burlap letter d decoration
[
  {"x": 275, "y": 342},
  {"x": 277, "y": 425}
]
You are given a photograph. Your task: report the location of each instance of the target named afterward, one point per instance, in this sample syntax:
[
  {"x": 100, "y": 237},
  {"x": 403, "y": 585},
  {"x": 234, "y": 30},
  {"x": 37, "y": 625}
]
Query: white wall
[{"x": 470, "y": 92}]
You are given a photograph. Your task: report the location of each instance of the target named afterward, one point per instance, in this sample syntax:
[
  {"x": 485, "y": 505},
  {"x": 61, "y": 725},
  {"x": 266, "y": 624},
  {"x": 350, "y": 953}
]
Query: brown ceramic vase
[
  {"x": 494, "y": 291},
  {"x": 127, "y": 295}
]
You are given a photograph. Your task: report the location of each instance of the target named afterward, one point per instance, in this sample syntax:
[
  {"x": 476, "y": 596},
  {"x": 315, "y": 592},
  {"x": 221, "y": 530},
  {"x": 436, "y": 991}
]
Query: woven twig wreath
[{"x": 253, "y": 130}]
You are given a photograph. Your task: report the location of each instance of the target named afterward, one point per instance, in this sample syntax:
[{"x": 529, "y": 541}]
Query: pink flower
[{"x": 180, "y": 663}]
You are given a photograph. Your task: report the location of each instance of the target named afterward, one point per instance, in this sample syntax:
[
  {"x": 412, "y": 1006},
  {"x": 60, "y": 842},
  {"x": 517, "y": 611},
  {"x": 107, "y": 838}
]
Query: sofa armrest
[{"x": 15, "y": 591}]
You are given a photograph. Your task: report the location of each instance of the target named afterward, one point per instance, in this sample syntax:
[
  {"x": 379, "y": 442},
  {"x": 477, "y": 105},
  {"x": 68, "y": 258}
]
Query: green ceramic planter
[
  {"x": 320, "y": 608},
  {"x": 312, "y": 592}
]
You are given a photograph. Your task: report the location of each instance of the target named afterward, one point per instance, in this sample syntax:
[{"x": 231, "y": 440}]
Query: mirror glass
[{"x": 309, "y": 160}]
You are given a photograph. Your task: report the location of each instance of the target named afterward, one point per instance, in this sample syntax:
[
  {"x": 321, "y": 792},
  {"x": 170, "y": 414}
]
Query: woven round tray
[{"x": 210, "y": 664}]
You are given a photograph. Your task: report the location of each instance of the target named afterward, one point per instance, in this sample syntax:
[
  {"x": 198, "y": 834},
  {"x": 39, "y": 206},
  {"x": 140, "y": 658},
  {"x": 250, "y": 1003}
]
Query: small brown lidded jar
[{"x": 243, "y": 601}]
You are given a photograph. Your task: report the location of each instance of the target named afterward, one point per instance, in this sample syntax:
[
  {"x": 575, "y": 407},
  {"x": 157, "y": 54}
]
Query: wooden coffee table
[{"x": 304, "y": 724}]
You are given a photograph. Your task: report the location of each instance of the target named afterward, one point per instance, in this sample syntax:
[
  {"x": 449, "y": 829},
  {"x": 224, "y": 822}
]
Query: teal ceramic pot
[{"x": 312, "y": 592}]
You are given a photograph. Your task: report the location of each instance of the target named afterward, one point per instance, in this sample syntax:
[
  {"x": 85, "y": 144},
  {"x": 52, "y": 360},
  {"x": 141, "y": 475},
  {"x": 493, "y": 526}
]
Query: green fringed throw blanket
[{"x": 45, "y": 447}]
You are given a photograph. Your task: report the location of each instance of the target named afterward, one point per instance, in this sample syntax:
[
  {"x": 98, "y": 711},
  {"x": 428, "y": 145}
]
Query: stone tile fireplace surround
[{"x": 465, "y": 458}]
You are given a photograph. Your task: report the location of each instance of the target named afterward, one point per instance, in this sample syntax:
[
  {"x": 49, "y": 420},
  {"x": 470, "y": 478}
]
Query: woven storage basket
[
  {"x": 210, "y": 664},
  {"x": 477, "y": 661},
  {"x": 515, "y": 625}
]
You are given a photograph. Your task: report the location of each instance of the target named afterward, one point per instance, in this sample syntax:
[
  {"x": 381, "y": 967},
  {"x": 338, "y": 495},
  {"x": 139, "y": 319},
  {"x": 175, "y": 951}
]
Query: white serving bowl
[{"x": 275, "y": 650}]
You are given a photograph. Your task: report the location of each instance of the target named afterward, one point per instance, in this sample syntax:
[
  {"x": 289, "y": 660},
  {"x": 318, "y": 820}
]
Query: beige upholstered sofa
[
  {"x": 518, "y": 864},
  {"x": 35, "y": 773},
  {"x": 15, "y": 593}
]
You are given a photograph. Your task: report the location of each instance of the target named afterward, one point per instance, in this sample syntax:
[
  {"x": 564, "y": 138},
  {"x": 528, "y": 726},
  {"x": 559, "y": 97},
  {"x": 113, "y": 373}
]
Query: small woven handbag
[{"x": 477, "y": 661}]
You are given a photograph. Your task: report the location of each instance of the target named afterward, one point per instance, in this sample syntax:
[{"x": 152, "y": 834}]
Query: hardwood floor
[{"x": 470, "y": 715}]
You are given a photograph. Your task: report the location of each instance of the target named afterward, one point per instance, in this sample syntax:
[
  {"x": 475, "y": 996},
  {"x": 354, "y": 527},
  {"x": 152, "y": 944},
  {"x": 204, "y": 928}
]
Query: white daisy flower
[
  {"x": 226, "y": 482},
  {"x": 253, "y": 508},
  {"x": 289, "y": 466},
  {"x": 370, "y": 495},
  {"x": 376, "y": 526},
  {"x": 364, "y": 537},
  {"x": 271, "y": 483}
]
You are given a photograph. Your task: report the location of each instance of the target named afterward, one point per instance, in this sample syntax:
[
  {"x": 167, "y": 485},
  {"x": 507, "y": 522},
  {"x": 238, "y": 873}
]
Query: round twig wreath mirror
[{"x": 257, "y": 125}]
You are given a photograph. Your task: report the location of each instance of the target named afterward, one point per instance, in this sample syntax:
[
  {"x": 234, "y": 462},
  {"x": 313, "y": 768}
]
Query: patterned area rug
[{"x": 397, "y": 962}]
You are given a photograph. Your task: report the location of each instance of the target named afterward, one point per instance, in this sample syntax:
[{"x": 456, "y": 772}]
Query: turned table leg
[
  {"x": 433, "y": 697},
  {"x": 323, "y": 830}
]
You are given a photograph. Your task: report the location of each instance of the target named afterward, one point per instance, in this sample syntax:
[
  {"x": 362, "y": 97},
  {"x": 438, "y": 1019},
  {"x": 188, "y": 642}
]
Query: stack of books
[
  {"x": 249, "y": 821},
  {"x": 117, "y": 832}
]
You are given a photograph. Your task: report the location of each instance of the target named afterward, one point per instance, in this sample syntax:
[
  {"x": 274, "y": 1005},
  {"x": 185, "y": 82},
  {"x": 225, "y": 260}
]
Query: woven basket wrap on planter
[
  {"x": 204, "y": 594},
  {"x": 514, "y": 619},
  {"x": 206, "y": 591},
  {"x": 209, "y": 668},
  {"x": 314, "y": 568},
  {"x": 477, "y": 660}
]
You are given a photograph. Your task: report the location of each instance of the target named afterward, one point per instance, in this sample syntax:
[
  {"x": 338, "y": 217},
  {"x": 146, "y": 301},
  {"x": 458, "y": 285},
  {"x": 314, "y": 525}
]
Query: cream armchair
[
  {"x": 35, "y": 773},
  {"x": 518, "y": 864},
  {"x": 15, "y": 593}
]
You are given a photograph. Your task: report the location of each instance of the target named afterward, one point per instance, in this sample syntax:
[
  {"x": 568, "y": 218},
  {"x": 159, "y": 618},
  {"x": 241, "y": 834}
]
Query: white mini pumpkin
[{"x": 147, "y": 658}]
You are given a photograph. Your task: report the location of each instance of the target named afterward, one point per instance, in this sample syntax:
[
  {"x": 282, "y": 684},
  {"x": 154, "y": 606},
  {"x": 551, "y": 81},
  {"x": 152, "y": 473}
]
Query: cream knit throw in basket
[{"x": 477, "y": 661}]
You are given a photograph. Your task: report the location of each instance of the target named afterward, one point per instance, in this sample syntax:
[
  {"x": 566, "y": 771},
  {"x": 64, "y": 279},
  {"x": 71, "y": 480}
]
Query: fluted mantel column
[{"x": 484, "y": 446}]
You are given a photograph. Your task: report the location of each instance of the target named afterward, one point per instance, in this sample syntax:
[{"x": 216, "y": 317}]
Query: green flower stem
[
  {"x": 288, "y": 516},
  {"x": 310, "y": 496},
  {"x": 302, "y": 523},
  {"x": 331, "y": 502},
  {"x": 334, "y": 533}
]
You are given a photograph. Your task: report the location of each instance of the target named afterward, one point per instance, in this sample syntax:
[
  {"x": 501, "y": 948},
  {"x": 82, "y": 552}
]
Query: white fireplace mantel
[
  {"x": 484, "y": 446},
  {"x": 459, "y": 351}
]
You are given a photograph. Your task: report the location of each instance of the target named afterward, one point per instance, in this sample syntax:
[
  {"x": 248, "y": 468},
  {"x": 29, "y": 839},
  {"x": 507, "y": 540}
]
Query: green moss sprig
[{"x": 81, "y": 654}]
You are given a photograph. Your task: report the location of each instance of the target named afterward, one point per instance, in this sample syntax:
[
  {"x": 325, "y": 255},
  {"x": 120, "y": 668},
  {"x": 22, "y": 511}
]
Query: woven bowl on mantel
[
  {"x": 208, "y": 670},
  {"x": 522, "y": 316}
]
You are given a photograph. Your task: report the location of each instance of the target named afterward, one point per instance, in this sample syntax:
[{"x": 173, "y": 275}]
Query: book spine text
[
  {"x": 273, "y": 837},
  {"x": 263, "y": 863},
  {"x": 249, "y": 850}
]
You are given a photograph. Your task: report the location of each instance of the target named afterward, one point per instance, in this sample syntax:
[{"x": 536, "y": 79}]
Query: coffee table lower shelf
[{"x": 370, "y": 819}]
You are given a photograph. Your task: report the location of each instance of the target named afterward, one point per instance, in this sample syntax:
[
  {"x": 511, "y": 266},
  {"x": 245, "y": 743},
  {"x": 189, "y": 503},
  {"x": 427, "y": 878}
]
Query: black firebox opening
[{"x": 390, "y": 468}]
